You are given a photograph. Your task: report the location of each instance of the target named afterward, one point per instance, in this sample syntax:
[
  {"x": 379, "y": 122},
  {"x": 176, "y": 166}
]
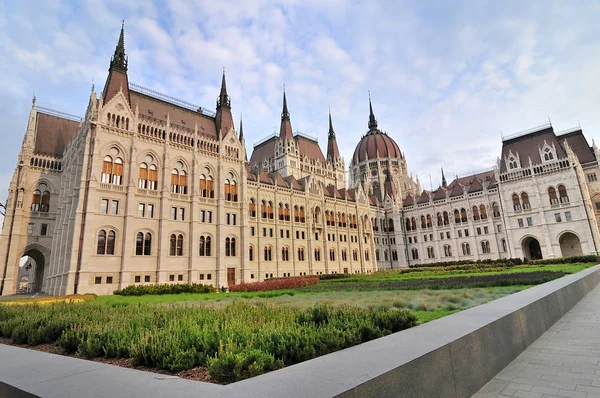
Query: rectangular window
[
  {"x": 486, "y": 230},
  {"x": 202, "y": 215},
  {"x": 109, "y": 279},
  {"x": 209, "y": 215},
  {"x": 303, "y": 236},
  {"x": 30, "y": 229},
  {"x": 459, "y": 233},
  {"x": 316, "y": 236},
  {"x": 172, "y": 278},
  {"x": 557, "y": 217},
  {"x": 499, "y": 227},
  {"x": 520, "y": 222},
  {"x": 150, "y": 212},
  {"x": 98, "y": 280},
  {"x": 265, "y": 232},
  {"x": 591, "y": 177},
  {"x": 251, "y": 231},
  {"x": 147, "y": 278},
  {"x": 180, "y": 277},
  {"x": 287, "y": 233},
  {"x": 271, "y": 232},
  {"x": 104, "y": 206},
  {"x": 415, "y": 239},
  {"x": 181, "y": 213},
  {"x": 425, "y": 238},
  {"x": 441, "y": 235},
  {"x": 173, "y": 213},
  {"x": 281, "y": 233},
  {"x": 297, "y": 234},
  {"x": 201, "y": 277},
  {"x": 137, "y": 279},
  {"x": 597, "y": 205},
  {"x": 448, "y": 235},
  {"x": 209, "y": 276},
  {"x": 141, "y": 209},
  {"x": 466, "y": 232},
  {"x": 44, "y": 230},
  {"x": 529, "y": 221},
  {"x": 409, "y": 239},
  {"x": 567, "y": 215},
  {"x": 114, "y": 207},
  {"x": 478, "y": 231},
  {"x": 227, "y": 218}
]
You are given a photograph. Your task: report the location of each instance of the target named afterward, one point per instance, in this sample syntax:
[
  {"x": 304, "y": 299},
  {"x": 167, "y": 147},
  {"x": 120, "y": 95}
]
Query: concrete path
[{"x": 563, "y": 362}]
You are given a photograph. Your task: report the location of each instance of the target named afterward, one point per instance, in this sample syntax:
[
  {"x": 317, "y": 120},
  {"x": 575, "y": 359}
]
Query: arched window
[
  {"x": 447, "y": 251},
  {"x": 143, "y": 244},
  {"x": 516, "y": 202},
  {"x": 415, "y": 254},
  {"x": 466, "y": 249},
  {"x": 112, "y": 170},
  {"x": 300, "y": 254},
  {"x": 423, "y": 222},
  {"x": 270, "y": 210},
  {"x": 552, "y": 195},
  {"x": 229, "y": 247},
  {"x": 45, "y": 200},
  {"x": 390, "y": 225},
  {"x": 302, "y": 216},
  {"x": 317, "y": 215},
  {"x": 385, "y": 255},
  {"x": 285, "y": 254},
  {"x": 377, "y": 255},
  {"x": 280, "y": 212},
  {"x": 366, "y": 255},
  {"x": 207, "y": 189},
  {"x": 179, "y": 180},
  {"x": 317, "y": 254},
  {"x": 296, "y": 214},
  {"x": 562, "y": 194},
  {"x": 36, "y": 201},
  {"x": 525, "y": 200},
  {"x": 413, "y": 223},
  {"x": 230, "y": 189},
  {"x": 456, "y": 216},
  {"x": 263, "y": 209},
  {"x": 475, "y": 213},
  {"x": 148, "y": 174},
  {"x": 204, "y": 246},
  {"x": 482, "y": 212},
  {"x": 332, "y": 254},
  {"x": 251, "y": 253},
  {"x": 446, "y": 218},
  {"x": 176, "y": 245},
  {"x": 395, "y": 255},
  {"x": 463, "y": 215},
  {"x": 286, "y": 212},
  {"x": 440, "y": 221},
  {"x": 106, "y": 242},
  {"x": 101, "y": 242},
  {"x": 407, "y": 224},
  {"x": 485, "y": 247},
  {"x": 268, "y": 253},
  {"x": 496, "y": 210},
  {"x": 252, "y": 208},
  {"x": 504, "y": 245},
  {"x": 430, "y": 252},
  {"x": 429, "y": 225}
]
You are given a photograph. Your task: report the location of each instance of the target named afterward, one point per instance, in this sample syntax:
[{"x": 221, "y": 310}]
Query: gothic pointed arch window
[
  {"x": 229, "y": 247},
  {"x": 36, "y": 201},
  {"x": 206, "y": 187},
  {"x": 482, "y": 212},
  {"x": 390, "y": 225},
  {"x": 440, "y": 220},
  {"x": 230, "y": 188},
  {"x": 552, "y": 195},
  {"x": 270, "y": 210},
  {"x": 413, "y": 223},
  {"x": 148, "y": 174},
  {"x": 176, "y": 245},
  {"x": 429, "y": 224},
  {"x": 562, "y": 194},
  {"x": 112, "y": 168},
  {"x": 252, "y": 208},
  {"x": 263, "y": 209},
  {"x": 446, "y": 218},
  {"x": 407, "y": 222},
  {"x": 106, "y": 242},
  {"x": 280, "y": 212},
  {"x": 179, "y": 179},
  {"x": 475, "y": 212},
  {"x": 456, "y": 216},
  {"x": 548, "y": 154},
  {"x": 516, "y": 202},
  {"x": 286, "y": 212},
  {"x": 143, "y": 244},
  {"x": 525, "y": 201},
  {"x": 302, "y": 215},
  {"x": 268, "y": 253},
  {"x": 496, "y": 210},
  {"x": 485, "y": 247},
  {"x": 423, "y": 222},
  {"x": 296, "y": 214},
  {"x": 463, "y": 215}
]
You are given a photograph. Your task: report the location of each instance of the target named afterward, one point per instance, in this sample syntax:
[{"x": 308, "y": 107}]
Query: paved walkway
[{"x": 564, "y": 362}]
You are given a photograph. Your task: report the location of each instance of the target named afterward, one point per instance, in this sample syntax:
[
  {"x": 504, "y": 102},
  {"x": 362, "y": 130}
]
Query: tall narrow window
[
  {"x": 252, "y": 208},
  {"x": 147, "y": 244},
  {"x": 516, "y": 202},
  {"x": 139, "y": 244},
  {"x": 475, "y": 213},
  {"x": 110, "y": 243},
  {"x": 173, "y": 245},
  {"x": 496, "y": 210},
  {"x": 562, "y": 194},
  {"x": 143, "y": 178},
  {"x": 525, "y": 200},
  {"x": 36, "y": 200},
  {"x": 482, "y": 212},
  {"x": 552, "y": 195},
  {"x": 180, "y": 245},
  {"x": 101, "y": 242}
]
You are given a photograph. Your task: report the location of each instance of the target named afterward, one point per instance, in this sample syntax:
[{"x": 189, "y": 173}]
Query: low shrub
[
  {"x": 165, "y": 288},
  {"x": 276, "y": 284},
  {"x": 509, "y": 262}
]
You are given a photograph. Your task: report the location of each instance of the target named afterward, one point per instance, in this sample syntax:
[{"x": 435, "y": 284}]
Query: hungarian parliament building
[{"x": 148, "y": 189}]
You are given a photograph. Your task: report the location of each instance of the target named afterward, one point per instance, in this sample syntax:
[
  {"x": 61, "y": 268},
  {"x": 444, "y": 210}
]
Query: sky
[{"x": 447, "y": 78}]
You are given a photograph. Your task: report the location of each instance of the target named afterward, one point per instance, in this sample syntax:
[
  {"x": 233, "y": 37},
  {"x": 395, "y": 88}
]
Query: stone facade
[{"x": 146, "y": 189}]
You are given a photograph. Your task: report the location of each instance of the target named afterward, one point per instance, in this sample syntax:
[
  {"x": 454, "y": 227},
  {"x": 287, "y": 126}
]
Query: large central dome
[{"x": 375, "y": 144}]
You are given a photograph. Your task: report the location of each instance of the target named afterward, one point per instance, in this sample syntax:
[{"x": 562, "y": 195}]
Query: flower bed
[
  {"x": 165, "y": 288},
  {"x": 49, "y": 300},
  {"x": 233, "y": 343},
  {"x": 276, "y": 284}
]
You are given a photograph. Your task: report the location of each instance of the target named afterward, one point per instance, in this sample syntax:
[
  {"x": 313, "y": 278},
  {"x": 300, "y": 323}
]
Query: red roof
[
  {"x": 308, "y": 147},
  {"x": 528, "y": 147},
  {"x": 579, "y": 145},
  {"x": 53, "y": 133},
  {"x": 376, "y": 144}
]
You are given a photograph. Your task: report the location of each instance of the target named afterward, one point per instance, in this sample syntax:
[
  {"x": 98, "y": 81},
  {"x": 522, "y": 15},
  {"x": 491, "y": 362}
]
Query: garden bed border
[{"x": 452, "y": 357}]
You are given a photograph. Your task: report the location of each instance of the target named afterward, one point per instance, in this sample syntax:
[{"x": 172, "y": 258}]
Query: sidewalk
[{"x": 563, "y": 362}]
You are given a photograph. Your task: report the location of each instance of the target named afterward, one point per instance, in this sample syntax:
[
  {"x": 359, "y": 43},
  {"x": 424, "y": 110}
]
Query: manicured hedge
[
  {"x": 276, "y": 284},
  {"x": 141, "y": 290},
  {"x": 458, "y": 282},
  {"x": 235, "y": 342},
  {"x": 507, "y": 262}
]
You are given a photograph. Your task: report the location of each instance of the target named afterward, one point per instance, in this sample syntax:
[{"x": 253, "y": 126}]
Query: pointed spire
[
  {"x": 241, "y": 138},
  {"x": 223, "y": 100},
  {"x": 444, "y": 182},
  {"x": 372, "y": 120},
  {"x": 285, "y": 114},
  {"x": 285, "y": 130},
  {"x": 119, "y": 59},
  {"x": 333, "y": 152}
]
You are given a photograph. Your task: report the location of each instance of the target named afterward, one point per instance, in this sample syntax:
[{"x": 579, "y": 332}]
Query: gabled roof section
[
  {"x": 424, "y": 198},
  {"x": 342, "y": 193},
  {"x": 309, "y": 148},
  {"x": 263, "y": 177},
  {"x": 53, "y": 133},
  {"x": 293, "y": 183},
  {"x": 374, "y": 201},
  {"x": 493, "y": 183},
  {"x": 351, "y": 195},
  {"x": 457, "y": 190},
  {"x": 527, "y": 146},
  {"x": 475, "y": 186},
  {"x": 279, "y": 181},
  {"x": 440, "y": 194},
  {"x": 249, "y": 174},
  {"x": 264, "y": 150},
  {"x": 408, "y": 201},
  {"x": 578, "y": 143}
]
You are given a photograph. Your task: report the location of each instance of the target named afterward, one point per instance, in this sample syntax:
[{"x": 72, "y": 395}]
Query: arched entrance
[
  {"x": 531, "y": 248},
  {"x": 570, "y": 245},
  {"x": 32, "y": 265}
]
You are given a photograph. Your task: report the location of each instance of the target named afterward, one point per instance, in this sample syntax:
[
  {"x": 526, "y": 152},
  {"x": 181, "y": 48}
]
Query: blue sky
[{"x": 446, "y": 77}]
